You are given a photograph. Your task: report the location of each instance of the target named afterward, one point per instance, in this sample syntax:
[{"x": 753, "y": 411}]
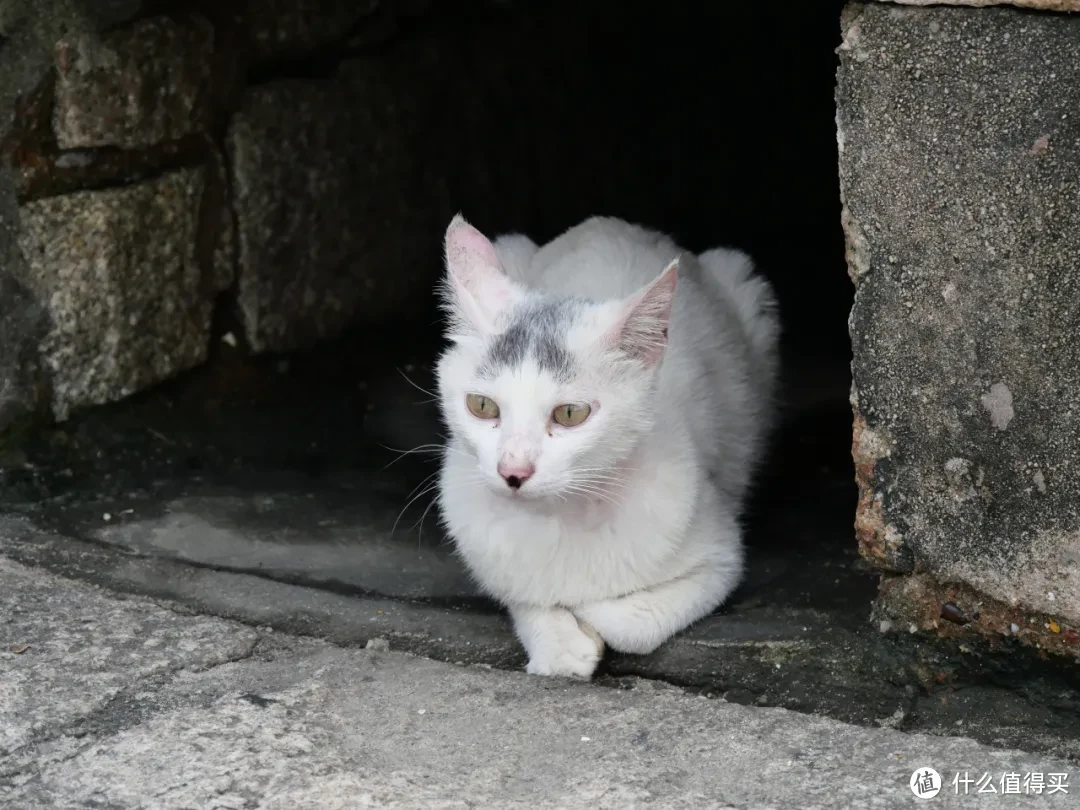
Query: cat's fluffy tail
[{"x": 751, "y": 296}]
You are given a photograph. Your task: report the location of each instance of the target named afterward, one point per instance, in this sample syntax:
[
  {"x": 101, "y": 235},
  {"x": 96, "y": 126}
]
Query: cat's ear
[
  {"x": 642, "y": 330},
  {"x": 477, "y": 290}
]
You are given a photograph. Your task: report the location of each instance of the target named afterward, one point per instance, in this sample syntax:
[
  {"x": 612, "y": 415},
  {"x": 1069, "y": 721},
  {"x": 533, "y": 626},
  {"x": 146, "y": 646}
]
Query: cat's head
[{"x": 548, "y": 394}]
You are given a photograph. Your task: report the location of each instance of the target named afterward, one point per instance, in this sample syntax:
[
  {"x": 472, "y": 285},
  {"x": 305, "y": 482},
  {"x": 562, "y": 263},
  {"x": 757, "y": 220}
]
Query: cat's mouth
[{"x": 520, "y": 493}]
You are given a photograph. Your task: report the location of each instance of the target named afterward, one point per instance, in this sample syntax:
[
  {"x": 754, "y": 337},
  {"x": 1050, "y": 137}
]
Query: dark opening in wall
[{"x": 343, "y": 157}]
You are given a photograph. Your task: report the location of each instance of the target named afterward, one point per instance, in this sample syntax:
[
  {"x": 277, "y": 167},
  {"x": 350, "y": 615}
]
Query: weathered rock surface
[
  {"x": 28, "y": 31},
  {"x": 339, "y": 210},
  {"x": 117, "y": 272},
  {"x": 139, "y": 85},
  {"x": 960, "y": 170},
  {"x": 295, "y": 28}
]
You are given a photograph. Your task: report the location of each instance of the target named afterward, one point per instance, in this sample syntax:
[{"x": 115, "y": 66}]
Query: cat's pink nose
[{"x": 515, "y": 473}]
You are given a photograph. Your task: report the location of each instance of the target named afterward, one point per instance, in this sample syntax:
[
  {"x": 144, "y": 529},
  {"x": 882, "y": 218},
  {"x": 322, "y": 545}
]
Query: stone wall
[
  {"x": 330, "y": 142},
  {"x": 112, "y": 185},
  {"x": 959, "y": 133},
  {"x": 354, "y": 142},
  {"x": 166, "y": 161}
]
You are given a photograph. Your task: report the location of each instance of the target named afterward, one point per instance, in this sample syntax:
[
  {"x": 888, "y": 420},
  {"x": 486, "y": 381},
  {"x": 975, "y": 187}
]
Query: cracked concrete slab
[
  {"x": 70, "y": 652},
  {"x": 299, "y": 723}
]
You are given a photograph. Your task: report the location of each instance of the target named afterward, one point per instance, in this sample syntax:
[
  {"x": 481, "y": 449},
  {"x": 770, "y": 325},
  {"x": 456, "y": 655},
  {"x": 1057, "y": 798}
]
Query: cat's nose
[{"x": 515, "y": 473}]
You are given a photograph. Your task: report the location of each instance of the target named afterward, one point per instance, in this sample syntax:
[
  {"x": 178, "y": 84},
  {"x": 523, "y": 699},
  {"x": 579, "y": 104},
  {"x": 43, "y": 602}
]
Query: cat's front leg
[
  {"x": 556, "y": 643},
  {"x": 643, "y": 620},
  {"x": 640, "y": 622}
]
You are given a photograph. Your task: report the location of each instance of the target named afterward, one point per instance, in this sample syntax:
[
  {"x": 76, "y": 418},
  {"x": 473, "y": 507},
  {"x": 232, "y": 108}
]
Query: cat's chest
[{"x": 571, "y": 558}]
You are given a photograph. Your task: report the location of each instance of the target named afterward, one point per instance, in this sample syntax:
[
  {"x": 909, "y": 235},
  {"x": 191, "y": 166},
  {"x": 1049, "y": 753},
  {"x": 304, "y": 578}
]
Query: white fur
[{"x": 629, "y": 524}]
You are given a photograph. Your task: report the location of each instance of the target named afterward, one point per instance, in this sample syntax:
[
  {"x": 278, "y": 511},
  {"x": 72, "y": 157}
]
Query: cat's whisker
[
  {"x": 602, "y": 486},
  {"x": 420, "y": 523},
  {"x": 594, "y": 496},
  {"x": 462, "y": 453},
  {"x": 605, "y": 486},
  {"x": 428, "y": 489},
  {"x": 598, "y": 482},
  {"x": 422, "y": 390},
  {"x": 560, "y": 496},
  {"x": 448, "y": 446},
  {"x": 590, "y": 491},
  {"x": 472, "y": 478},
  {"x": 422, "y": 449},
  {"x": 602, "y": 480},
  {"x": 599, "y": 476},
  {"x": 594, "y": 485},
  {"x": 425, "y": 449},
  {"x": 611, "y": 469},
  {"x": 426, "y": 480}
]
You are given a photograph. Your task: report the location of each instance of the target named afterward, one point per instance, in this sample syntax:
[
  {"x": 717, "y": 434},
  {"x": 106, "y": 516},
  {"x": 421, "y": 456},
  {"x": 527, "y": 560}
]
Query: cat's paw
[
  {"x": 628, "y": 624},
  {"x": 572, "y": 651}
]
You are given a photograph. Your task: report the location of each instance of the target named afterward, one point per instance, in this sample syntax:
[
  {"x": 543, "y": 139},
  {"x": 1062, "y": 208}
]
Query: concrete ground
[
  {"x": 198, "y": 586},
  {"x": 113, "y": 702}
]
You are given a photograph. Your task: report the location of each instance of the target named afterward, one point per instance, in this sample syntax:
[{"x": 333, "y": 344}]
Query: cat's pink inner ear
[
  {"x": 481, "y": 285},
  {"x": 468, "y": 250},
  {"x": 643, "y": 331}
]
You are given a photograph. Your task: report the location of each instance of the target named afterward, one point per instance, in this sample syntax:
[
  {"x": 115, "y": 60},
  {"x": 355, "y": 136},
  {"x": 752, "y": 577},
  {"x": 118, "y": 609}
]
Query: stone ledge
[{"x": 958, "y": 611}]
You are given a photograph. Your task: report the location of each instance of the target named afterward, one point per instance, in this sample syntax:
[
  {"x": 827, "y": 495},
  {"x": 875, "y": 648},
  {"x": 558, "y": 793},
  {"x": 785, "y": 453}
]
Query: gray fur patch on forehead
[{"x": 537, "y": 329}]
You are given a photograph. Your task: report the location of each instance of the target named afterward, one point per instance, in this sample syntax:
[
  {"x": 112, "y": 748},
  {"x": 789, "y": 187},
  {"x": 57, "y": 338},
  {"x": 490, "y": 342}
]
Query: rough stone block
[
  {"x": 294, "y": 28},
  {"x": 339, "y": 209},
  {"x": 136, "y": 86},
  {"x": 117, "y": 273},
  {"x": 959, "y": 135},
  {"x": 28, "y": 31}
]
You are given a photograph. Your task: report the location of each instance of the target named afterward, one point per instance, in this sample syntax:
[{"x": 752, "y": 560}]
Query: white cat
[{"x": 607, "y": 397}]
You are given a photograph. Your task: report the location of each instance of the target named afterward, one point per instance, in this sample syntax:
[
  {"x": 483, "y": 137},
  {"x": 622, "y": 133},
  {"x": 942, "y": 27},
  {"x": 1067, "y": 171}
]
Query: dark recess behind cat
[{"x": 713, "y": 122}]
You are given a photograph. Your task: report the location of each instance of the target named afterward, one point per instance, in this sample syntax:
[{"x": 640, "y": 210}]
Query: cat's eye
[
  {"x": 571, "y": 414},
  {"x": 482, "y": 407}
]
